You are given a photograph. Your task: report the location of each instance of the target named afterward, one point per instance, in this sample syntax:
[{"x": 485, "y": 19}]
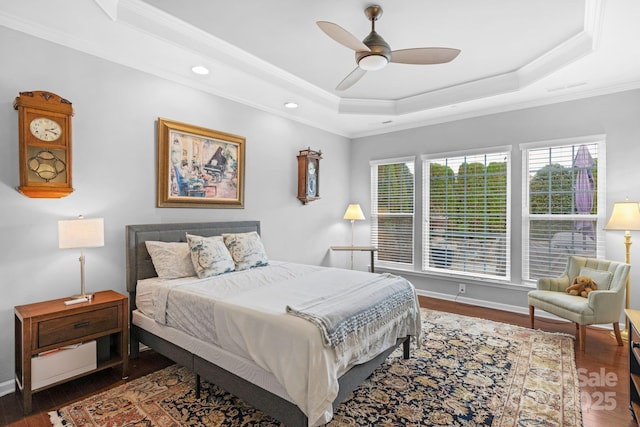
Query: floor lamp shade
[
  {"x": 624, "y": 217},
  {"x": 79, "y": 234}
]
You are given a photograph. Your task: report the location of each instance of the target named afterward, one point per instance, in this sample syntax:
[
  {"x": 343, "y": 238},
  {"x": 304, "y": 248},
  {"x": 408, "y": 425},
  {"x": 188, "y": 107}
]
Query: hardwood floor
[{"x": 603, "y": 367}]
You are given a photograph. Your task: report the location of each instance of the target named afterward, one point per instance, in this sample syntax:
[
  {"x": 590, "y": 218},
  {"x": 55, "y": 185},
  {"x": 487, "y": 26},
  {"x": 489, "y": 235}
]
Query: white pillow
[
  {"x": 209, "y": 255},
  {"x": 246, "y": 249},
  {"x": 602, "y": 278},
  {"x": 170, "y": 259}
]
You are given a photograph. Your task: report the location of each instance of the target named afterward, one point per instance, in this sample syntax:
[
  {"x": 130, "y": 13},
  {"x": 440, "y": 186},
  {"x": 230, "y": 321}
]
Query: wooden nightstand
[
  {"x": 633, "y": 322},
  {"x": 51, "y": 325}
]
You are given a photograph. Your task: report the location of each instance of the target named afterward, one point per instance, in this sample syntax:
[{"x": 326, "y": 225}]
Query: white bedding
[{"x": 245, "y": 313}]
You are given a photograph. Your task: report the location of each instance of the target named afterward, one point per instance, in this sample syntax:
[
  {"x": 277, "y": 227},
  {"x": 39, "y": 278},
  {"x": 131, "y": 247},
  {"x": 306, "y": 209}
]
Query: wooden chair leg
[
  {"x": 583, "y": 336},
  {"x": 532, "y": 309},
  {"x": 616, "y": 331}
]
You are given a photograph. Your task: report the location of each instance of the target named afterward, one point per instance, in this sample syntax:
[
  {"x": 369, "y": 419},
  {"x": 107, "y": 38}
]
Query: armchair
[{"x": 601, "y": 306}]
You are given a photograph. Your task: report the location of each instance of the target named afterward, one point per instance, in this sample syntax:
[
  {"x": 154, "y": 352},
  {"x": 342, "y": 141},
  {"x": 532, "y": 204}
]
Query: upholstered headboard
[{"x": 139, "y": 264}]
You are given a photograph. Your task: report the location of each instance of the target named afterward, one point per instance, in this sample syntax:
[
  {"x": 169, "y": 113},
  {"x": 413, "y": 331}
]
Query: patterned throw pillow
[
  {"x": 209, "y": 255},
  {"x": 170, "y": 259},
  {"x": 246, "y": 249}
]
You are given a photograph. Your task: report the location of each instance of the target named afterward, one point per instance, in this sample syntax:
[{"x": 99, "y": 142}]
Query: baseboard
[
  {"x": 504, "y": 307},
  {"x": 7, "y": 387}
]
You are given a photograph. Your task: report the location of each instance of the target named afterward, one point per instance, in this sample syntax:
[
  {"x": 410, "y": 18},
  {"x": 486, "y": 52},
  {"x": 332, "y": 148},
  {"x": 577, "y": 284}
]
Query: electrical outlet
[{"x": 462, "y": 288}]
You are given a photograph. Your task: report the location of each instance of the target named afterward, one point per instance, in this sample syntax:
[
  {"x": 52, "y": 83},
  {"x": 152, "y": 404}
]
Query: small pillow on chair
[{"x": 602, "y": 278}]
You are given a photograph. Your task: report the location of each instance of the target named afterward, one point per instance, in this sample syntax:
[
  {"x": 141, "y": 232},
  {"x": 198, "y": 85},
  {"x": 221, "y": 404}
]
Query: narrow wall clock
[
  {"x": 309, "y": 175},
  {"x": 44, "y": 138}
]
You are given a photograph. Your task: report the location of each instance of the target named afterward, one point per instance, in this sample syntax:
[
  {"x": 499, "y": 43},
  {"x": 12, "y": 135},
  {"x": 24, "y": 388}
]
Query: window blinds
[
  {"x": 561, "y": 214},
  {"x": 466, "y": 214},
  {"x": 392, "y": 210}
]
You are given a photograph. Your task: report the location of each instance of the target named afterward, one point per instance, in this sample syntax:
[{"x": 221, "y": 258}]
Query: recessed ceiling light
[
  {"x": 199, "y": 69},
  {"x": 291, "y": 104}
]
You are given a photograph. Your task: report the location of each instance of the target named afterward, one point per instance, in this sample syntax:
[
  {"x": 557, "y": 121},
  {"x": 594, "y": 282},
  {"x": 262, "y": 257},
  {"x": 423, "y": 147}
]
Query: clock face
[
  {"x": 45, "y": 129},
  {"x": 311, "y": 180}
]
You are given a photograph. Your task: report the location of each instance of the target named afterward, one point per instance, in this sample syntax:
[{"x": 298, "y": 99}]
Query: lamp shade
[
  {"x": 625, "y": 216},
  {"x": 80, "y": 233},
  {"x": 354, "y": 212}
]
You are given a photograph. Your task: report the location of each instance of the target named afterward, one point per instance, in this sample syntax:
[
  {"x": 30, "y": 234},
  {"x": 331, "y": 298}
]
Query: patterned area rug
[{"x": 469, "y": 372}]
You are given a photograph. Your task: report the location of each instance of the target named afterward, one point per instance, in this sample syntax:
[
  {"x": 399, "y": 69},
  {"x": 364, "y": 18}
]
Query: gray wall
[
  {"x": 616, "y": 115},
  {"x": 114, "y": 175}
]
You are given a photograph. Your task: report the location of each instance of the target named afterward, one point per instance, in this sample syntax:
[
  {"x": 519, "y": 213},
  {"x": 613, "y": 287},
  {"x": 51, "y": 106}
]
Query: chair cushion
[
  {"x": 602, "y": 278},
  {"x": 570, "y": 307}
]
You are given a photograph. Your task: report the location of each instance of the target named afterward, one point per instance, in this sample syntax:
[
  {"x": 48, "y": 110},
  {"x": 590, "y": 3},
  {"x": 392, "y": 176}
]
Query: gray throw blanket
[{"x": 357, "y": 314}]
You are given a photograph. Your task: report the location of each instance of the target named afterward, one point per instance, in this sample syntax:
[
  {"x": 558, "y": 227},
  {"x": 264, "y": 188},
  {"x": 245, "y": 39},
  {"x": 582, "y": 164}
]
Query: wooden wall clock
[
  {"x": 309, "y": 175},
  {"x": 44, "y": 137}
]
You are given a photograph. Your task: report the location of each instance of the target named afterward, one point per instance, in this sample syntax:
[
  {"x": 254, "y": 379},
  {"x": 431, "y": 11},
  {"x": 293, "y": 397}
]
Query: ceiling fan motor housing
[{"x": 378, "y": 56}]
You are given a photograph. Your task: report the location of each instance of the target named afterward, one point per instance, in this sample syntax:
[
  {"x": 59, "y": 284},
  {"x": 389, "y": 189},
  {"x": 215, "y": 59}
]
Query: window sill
[{"x": 504, "y": 284}]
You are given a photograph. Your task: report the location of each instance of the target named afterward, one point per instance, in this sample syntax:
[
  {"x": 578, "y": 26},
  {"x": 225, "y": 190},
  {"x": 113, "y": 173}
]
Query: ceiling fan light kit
[
  {"x": 374, "y": 53},
  {"x": 373, "y": 62}
]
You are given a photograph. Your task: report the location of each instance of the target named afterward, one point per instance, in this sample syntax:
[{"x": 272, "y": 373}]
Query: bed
[{"x": 237, "y": 363}]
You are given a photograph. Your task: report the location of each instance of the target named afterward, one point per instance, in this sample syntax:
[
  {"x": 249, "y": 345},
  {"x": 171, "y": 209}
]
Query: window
[
  {"x": 466, "y": 214},
  {"x": 392, "y": 199},
  {"x": 563, "y": 203}
]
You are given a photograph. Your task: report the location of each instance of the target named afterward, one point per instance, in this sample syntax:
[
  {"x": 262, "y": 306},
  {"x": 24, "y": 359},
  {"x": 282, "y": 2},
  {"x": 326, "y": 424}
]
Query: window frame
[
  {"x": 427, "y": 159},
  {"x": 374, "y": 234},
  {"x": 527, "y": 217}
]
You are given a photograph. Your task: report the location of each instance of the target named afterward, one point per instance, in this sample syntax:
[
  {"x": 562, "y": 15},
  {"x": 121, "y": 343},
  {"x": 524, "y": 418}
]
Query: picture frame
[{"x": 199, "y": 167}]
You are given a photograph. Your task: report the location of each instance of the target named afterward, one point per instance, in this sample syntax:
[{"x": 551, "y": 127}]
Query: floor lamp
[
  {"x": 353, "y": 213},
  {"x": 625, "y": 217}
]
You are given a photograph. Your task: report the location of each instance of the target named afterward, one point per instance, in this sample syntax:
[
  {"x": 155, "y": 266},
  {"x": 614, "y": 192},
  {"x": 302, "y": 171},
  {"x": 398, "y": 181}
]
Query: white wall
[
  {"x": 114, "y": 175},
  {"x": 616, "y": 115}
]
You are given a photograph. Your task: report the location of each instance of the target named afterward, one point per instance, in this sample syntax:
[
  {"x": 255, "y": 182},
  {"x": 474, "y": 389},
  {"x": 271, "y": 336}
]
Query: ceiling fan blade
[
  {"x": 342, "y": 36},
  {"x": 424, "y": 55},
  {"x": 351, "y": 79}
]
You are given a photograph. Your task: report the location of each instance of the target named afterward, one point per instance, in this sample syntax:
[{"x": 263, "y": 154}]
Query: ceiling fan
[{"x": 373, "y": 53}]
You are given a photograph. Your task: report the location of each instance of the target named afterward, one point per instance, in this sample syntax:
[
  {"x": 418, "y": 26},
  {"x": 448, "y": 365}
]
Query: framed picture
[{"x": 199, "y": 167}]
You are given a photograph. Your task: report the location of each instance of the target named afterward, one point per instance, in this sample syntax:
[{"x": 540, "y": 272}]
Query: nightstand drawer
[{"x": 75, "y": 326}]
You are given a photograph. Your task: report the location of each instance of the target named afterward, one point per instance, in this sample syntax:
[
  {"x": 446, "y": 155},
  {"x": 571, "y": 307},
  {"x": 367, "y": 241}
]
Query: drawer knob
[
  {"x": 81, "y": 325},
  {"x": 635, "y": 344}
]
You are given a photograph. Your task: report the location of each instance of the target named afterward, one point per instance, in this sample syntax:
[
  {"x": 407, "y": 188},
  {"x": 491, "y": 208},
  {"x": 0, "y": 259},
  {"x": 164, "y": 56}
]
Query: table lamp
[{"x": 79, "y": 234}]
